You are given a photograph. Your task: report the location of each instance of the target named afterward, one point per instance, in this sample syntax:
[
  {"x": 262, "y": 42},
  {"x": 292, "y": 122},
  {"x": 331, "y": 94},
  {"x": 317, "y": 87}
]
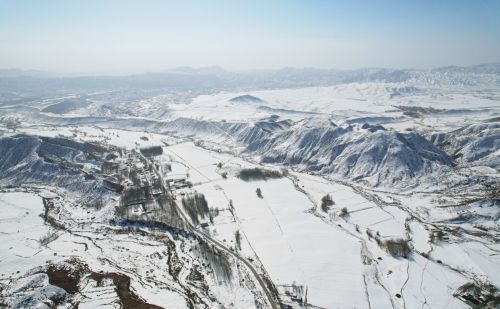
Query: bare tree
[
  {"x": 237, "y": 236},
  {"x": 326, "y": 202},
  {"x": 344, "y": 212}
]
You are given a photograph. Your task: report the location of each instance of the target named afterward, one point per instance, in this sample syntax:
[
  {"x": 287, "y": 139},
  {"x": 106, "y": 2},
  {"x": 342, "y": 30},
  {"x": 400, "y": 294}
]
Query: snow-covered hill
[
  {"x": 61, "y": 162},
  {"x": 355, "y": 152},
  {"x": 475, "y": 145},
  {"x": 359, "y": 152}
]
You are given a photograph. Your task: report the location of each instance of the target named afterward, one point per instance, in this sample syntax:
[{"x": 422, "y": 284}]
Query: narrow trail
[
  {"x": 401, "y": 292},
  {"x": 366, "y": 292}
]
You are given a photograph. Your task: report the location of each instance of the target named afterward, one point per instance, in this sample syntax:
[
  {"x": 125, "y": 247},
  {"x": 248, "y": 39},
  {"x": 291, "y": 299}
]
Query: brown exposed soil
[
  {"x": 67, "y": 276},
  {"x": 127, "y": 297}
]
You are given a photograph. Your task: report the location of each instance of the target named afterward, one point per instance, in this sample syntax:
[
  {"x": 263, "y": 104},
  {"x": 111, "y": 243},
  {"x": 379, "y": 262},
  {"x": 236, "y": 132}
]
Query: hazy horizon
[
  {"x": 129, "y": 37},
  {"x": 217, "y": 67}
]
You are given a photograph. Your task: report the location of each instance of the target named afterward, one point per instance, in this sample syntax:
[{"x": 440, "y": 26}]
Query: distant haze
[{"x": 122, "y": 37}]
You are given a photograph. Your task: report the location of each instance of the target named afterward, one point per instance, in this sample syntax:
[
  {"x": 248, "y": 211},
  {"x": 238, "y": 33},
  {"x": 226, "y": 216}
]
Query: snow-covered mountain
[
  {"x": 354, "y": 152},
  {"x": 475, "y": 145},
  {"x": 22, "y": 86},
  {"x": 357, "y": 152}
]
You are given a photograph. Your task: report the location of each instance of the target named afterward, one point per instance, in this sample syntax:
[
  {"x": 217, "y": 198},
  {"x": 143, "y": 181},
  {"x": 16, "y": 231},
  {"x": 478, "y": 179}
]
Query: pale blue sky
[{"x": 123, "y": 36}]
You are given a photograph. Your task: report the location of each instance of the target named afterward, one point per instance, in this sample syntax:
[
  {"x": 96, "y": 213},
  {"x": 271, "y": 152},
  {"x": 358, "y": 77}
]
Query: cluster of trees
[
  {"x": 47, "y": 238},
  {"x": 344, "y": 212},
  {"x": 196, "y": 206},
  {"x": 224, "y": 173},
  {"x": 326, "y": 202},
  {"x": 152, "y": 151},
  {"x": 250, "y": 174},
  {"x": 396, "y": 247},
  {"x": 133, "y": 196},
  {"x": 218, "y": 261},
  {"x": 259, "y": 192}
]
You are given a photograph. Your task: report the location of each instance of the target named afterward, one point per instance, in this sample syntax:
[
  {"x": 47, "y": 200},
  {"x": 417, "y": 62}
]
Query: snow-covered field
[
  {"x": 297, "y": 243},
  {"x": 22, "y": 227},
  {"x": 373, "y": 102},
  {"x": 293, "y": 245}
]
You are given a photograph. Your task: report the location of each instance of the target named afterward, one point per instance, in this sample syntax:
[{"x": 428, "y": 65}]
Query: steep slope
[
  {"x": 474, "y": 145},
  {"x": 50, "y": 161},
  {"x": 368, "y": 153},
  {"x": 359, "y": 152}
]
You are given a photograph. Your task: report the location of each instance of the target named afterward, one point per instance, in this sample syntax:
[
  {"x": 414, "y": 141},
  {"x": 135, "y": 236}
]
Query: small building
[
  {"x": 293, "y": 296},
  {"x": 112, "y": 184},
  {"x": 155, "y": 191},
  {"x": 109, "y": 168},
  {"x": 476, "y": 296},
  {"x": 180, "y": 183}
]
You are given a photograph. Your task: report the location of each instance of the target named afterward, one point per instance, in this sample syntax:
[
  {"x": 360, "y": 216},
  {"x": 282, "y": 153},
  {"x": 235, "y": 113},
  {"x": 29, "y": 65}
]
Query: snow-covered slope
[
  {"x": 26, "y": 160},
  {"x": 357, "y": 152},
  {"x": 474, "y": 145}
]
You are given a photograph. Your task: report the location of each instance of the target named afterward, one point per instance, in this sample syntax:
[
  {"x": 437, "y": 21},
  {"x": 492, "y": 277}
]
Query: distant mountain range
[
  {"x": 33, "y": 84},
  {"x": 484, "y": 68}
]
